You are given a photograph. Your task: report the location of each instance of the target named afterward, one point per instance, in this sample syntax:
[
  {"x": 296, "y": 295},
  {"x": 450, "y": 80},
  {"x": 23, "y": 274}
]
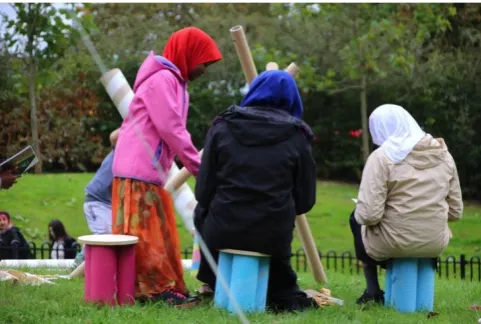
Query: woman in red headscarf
[{"x": 152, "y": 134}]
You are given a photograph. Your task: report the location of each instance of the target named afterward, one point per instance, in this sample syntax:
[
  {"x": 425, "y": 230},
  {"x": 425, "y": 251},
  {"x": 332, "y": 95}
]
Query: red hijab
[{"x": 190, "y": 47}]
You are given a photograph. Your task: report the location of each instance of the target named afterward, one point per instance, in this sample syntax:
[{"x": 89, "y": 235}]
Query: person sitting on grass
[
  {"x": 257, "y": 173},
  {"x": 62, "y": 243},
  {"x": 9, "y": 236},
  {"x": 409, "y": 192}
]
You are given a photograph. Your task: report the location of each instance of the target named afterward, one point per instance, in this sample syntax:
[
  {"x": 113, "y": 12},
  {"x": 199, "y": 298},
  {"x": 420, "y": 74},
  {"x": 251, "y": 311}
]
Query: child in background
[
  {"x": 62, "y": 244},
  {"x": 98, "y": 198},
  {"x": 10, "y": 234},
  {"x": 98, "y": 194}
]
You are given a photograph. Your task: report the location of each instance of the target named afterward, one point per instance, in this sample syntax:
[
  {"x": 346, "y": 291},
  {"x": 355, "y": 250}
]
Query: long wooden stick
[
  {"x": 302, "y": 225},
  {"x": 180, "y": 178},
  {"x": 79, "y": 271},
  {"x": 244, "y": 53},
  {"x": 272, "y": 66},
  {"x": 293, "y": 69},
  {"x": 305, "y": 235}
]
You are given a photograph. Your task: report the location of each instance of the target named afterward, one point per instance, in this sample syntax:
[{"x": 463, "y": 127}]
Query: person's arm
[
  {"x": 455, "y": 198},
  {"x": 165, "y": 108},
  {"x": 16, "y": 236},
  {"x": 304, "y": 192},
  {"x": 200, "y": 214},
  {"x": 372, "y": 192},
  {"x": 206, "y": 183},
  {"x": 114, "y": 136}
]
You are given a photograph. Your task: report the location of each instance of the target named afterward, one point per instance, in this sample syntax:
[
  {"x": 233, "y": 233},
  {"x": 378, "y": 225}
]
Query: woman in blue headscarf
[{"x": 257, "y": 173}]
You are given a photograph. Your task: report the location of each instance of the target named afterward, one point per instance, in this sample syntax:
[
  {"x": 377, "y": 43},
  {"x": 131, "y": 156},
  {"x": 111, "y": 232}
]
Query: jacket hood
[
  {"x": 428, "y": 153},
  {"x": 153, "y": 64},
  {"x": 254, "y": 126}
]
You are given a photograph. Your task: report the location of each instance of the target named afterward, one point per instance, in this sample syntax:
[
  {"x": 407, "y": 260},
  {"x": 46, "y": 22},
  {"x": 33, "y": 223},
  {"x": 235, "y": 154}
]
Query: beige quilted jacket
[{"x": 405, "y": 207}]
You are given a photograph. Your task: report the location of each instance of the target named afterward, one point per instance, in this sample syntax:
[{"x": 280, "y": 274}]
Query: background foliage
[{"x": 353, "y": 57}]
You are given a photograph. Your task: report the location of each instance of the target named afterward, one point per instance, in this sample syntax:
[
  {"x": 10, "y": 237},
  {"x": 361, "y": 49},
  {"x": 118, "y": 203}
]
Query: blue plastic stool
[
  {"x": 410, "y": 285},
  {"x": 247, "y": 276}
]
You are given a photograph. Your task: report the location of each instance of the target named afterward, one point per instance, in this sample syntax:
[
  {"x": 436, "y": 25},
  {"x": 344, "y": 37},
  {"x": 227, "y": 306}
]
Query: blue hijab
[{"x": 275, "y": 89}]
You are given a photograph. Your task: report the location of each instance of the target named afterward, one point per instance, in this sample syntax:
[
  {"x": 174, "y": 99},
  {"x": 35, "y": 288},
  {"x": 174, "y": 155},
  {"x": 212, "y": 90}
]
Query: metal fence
[
  {"x": 449, "y": 267},
  {"x": 33, "y": 251}
]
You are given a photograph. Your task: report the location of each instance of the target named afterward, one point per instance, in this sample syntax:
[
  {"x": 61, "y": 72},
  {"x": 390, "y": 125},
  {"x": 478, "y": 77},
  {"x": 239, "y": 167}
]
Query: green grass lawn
[
  {"x": 63, "y": 303},
  {"x": 37, "y": 199}
]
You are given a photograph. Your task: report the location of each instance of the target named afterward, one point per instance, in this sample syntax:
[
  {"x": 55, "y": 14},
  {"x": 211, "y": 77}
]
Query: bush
[{"x": 67, "y": 121}]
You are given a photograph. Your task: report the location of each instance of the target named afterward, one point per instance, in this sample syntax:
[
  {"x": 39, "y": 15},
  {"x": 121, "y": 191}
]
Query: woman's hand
[{"x": 8, "y": 179}]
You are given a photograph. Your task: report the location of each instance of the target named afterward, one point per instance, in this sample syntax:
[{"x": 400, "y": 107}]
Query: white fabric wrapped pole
[
  {"x": 37, "y": 263},
  {"x": 55, "y": 263}
]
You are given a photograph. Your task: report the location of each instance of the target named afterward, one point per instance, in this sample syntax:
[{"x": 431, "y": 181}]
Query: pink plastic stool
[{"x": 109, "y": 269}]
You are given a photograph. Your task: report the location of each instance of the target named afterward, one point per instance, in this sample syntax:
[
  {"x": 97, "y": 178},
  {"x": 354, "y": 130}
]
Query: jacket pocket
[{"x": 157, "y": 155}]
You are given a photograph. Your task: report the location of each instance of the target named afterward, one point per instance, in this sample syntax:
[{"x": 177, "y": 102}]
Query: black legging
[{"x": 361, "y": 253}]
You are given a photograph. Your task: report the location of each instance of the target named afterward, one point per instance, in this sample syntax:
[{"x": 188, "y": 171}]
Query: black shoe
[
  {"x": 371, "y": 298},
  {"x": 298, "y": 303},
  {"x": 205, "y": 291},
  {"x": 173, "y": 298}
]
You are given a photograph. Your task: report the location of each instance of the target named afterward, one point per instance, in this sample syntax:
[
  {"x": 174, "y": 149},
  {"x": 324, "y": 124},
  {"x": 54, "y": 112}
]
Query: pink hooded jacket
[{"x": 154, "y": 131}]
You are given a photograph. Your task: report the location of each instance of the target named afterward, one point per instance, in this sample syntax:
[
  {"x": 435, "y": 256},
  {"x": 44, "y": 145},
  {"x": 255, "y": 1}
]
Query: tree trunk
[
  {"x": 364, "y": 124},
  {"x": 33, "y": 114}
]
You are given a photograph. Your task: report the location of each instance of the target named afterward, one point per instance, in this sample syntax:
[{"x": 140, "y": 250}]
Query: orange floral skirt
[{"x": 146, "y": 210}]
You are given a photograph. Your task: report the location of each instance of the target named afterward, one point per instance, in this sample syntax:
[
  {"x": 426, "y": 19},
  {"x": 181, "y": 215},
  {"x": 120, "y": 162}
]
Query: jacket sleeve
[
  {"x": 454, "y": 198},
  {"x": 200, "y": 214},
  {"x": 165, "y": 108},
  {"x": 372, "y": 192},
  {"x": 304, "y": 192},
  {"x": 206, "y": 182}
]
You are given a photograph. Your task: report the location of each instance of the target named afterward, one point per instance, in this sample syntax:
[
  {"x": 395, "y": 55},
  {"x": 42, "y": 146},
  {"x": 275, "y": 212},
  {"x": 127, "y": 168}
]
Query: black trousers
[
  {"x": 359, "y": 247},
  {"x": 283, "y": 293},
  {"x": 361, "y": 253}
]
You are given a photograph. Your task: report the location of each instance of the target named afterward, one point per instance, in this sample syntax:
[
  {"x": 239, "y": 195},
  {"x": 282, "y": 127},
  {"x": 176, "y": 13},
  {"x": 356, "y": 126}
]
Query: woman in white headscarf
[{"x": 409, "y": 192}]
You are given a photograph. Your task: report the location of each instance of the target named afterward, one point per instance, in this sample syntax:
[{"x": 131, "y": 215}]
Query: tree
[
  {"x": 38, "y": 34},
  {"x": 364, "y": 44}
]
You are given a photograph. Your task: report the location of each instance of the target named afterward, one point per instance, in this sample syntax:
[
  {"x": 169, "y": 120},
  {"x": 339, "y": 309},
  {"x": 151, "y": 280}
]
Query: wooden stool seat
[
  {"x": 108, "y": 239},
  {"x": 249, "y": 253}
]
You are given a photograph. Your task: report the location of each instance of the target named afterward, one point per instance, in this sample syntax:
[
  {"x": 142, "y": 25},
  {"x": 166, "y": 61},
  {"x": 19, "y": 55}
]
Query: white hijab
[{"x": 395, "y": 131}]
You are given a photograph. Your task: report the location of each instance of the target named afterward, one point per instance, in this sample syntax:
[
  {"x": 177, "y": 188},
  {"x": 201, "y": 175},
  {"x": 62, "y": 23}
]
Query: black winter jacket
[{"x": 257, "y": 174}]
